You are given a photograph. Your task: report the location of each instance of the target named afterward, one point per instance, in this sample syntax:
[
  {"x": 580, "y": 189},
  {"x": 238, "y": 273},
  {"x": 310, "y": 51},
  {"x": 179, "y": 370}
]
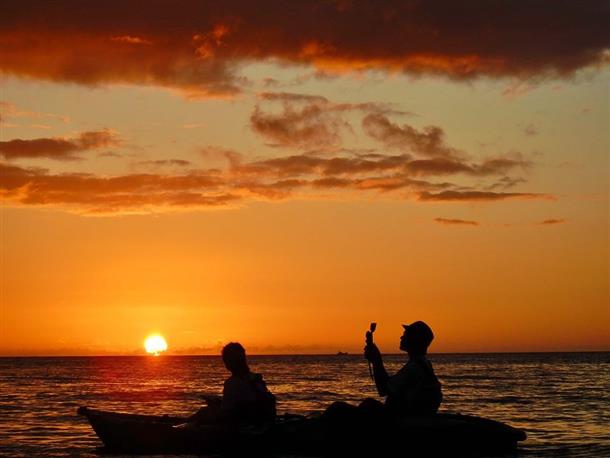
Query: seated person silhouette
[
  {"x": 245, "y": 396},
  {"x": 413, "y": 391}
]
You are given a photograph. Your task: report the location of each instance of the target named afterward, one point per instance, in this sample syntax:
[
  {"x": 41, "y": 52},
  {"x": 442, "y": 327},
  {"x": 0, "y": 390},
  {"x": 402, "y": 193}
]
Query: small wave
[{"x": 505, "y": 400}]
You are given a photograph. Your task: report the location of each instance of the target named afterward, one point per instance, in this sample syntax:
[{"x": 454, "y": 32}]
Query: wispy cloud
[
  {"x": 429, "y": 142},
  {"x": 89, "y": 193},
  {"x": 456, "y": 222},
  {"x": 308, "y": 121},
  {"x": 59, "y": 148},
  {"x": 550, "y": 222},
  {"x": 481, "y": 196},
  {"x": 166, "y": 187},
  {"x": 164, "y": 163},
  {"x": 9, "y": 110},
  {"x": 132, "y": 40}
]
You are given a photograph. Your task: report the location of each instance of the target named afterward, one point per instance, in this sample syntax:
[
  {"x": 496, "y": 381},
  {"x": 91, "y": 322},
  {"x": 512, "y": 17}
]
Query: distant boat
[{"x": 341, "y": 353}]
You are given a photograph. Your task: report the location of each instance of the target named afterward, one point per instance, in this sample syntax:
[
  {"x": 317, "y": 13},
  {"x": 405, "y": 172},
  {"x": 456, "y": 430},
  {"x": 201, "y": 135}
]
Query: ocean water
[{"x": 562, "y": 400}]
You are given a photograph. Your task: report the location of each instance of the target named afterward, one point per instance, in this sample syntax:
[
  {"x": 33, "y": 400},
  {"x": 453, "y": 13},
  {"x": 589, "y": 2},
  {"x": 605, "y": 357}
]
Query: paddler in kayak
[
  {"x": 245, "y": 396},
  {"x": 413, "y": 391}
]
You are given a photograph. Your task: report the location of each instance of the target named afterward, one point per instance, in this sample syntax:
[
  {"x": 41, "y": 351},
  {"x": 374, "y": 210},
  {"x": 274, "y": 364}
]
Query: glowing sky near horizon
[{"x": 283, "y": 177}]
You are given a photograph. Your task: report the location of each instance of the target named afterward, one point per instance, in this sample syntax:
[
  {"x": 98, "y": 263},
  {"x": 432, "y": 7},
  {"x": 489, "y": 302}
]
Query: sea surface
[{"x": 562, "y": 400}]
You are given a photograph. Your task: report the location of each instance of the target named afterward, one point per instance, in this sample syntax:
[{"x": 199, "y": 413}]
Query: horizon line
[{"x": 524, "y": 352}]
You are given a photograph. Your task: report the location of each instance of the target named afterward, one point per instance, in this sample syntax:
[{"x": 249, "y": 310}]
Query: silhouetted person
[
  {"x": 414, "y": 390},
  {"x": 245, "y": 396}
]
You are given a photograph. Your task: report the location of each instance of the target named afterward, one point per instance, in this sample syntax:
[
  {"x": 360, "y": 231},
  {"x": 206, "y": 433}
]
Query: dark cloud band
[{"x": 197, "y": 46}]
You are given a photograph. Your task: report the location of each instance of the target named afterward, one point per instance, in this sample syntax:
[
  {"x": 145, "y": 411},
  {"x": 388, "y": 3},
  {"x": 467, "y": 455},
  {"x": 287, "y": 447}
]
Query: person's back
[
  {"x": 414, "y": 389},
  {"x": 245, "y": 396}
]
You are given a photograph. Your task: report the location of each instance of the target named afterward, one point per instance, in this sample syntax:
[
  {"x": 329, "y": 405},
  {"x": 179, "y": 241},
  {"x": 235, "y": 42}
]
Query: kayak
[{"x": 298, "y": 435}]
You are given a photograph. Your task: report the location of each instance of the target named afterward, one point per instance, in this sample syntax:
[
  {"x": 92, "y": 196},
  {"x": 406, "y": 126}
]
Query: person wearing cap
[{"x": 414, "y": 390}]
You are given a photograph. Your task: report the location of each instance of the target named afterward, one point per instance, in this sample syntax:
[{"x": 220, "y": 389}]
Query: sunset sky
[{"x": 281, "y": 173}]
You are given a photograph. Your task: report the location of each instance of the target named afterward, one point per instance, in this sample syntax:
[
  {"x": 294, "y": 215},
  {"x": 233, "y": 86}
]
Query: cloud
[
  {"x": 438, "y": 158},
  {"x": 518, "y": 88},
  {"x": 455, "y": 222},
  {"x": 505, "y": 183},
  {"x": 549, "y": 222},
  {"x": 500, "y": 165},
  {"x": 109, "y": 154},
  {"x": 9, "y": 110},
  {"x": 308, "y": 121},
  {"x": 429, "y": 142},
  {"x": 437, "y": 167},
  {"x": 288, "y": 97},
  {"x": 132, "y": 40},
  {"x": 308, "y": 126},
  {"x": 305, "y": 164},
  {"x": 165, "y": 163},
  {"x": 59, "y": 148},
  {"x": 480, "y": 196},
  {"x": 233, "y": 157},
  {"x": 343, "y": 174},
  {"x": 128, "y": 193},
  {"x": 199, "y": 46},
  {"x": 270, "y": 82}
]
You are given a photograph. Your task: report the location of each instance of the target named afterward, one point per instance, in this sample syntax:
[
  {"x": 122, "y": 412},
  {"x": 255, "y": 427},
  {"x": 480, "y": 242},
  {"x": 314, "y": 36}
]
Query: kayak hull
[{"x": 149, "y": 434}]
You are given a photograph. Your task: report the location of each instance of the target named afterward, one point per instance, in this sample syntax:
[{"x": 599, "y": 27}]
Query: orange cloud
[
  {"x": 548, "y": 222},
  {"x": 305, "y": 164},
  {"x": 480, "y": 196},
  {"x": 307, "y": 120},
  {"x": 505, "y": 183},
  {"x": 458, "y": 222},
  {"x": 63, "y": 149},
  {"x": 198, "y": 46},
  {"x": 309, "y": 126},
  {"x": 300, "y": 176},
  {"x": 9, "y": 110},
  {"x": 428, "y": 143},
  {"x": 132, "y": 40},
  {"x": 440, "y": 166},
  {"x": 164, "y": 163},
  {"x": 95, "y": 194}
]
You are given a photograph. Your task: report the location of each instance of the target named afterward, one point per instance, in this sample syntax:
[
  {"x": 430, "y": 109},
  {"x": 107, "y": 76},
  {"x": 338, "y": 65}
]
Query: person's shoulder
[
  {"x": 415, "y": 366},
  {"x": 254, "y": 377},
  {"x": 409, "y": 366},
  {"x": 425, "y": 361},
  {"x": 232, "y": 381}
]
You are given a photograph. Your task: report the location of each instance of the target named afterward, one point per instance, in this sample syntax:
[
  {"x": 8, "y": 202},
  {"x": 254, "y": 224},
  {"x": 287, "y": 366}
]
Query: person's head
[
  {"x": 416, "y": 338},
  {"x": 234, "y": 357}
]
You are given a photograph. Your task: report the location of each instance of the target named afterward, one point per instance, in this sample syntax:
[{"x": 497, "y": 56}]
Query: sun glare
[{"x": 155, "y": 344}]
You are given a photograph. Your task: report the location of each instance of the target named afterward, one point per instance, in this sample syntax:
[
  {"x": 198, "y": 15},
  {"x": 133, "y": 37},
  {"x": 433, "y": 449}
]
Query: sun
[{"x": 155, "y": 344}]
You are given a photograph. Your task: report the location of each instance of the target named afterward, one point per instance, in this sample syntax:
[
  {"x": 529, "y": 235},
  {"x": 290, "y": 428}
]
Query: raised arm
[{"x": 372, "y": 353}]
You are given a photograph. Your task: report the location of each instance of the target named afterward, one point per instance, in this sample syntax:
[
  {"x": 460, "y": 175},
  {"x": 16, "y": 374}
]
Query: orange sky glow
[{"x": 282, "y": 175}]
